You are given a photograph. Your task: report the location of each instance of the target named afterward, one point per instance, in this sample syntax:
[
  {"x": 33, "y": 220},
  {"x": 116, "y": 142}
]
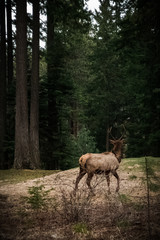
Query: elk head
[{"x": 117, "y": 145}]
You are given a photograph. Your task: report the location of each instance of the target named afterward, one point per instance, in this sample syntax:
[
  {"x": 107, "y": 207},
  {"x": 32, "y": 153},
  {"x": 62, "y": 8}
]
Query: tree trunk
[
  {"x": 107, "y": 138},
  {"x": 10, "y": 87},
  {"x": 10, "y": 47},
  {"x": 74, "y": 119},
  {"x": 22, "y": 150},
  {"x": 2, "y": 82},
  {"x": 34, "y": 111},
  {"x": 52, "y": 110}
]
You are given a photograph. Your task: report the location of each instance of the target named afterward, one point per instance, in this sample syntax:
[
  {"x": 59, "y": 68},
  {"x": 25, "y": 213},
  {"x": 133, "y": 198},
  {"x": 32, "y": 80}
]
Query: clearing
[{"x": 56, "y": 213}]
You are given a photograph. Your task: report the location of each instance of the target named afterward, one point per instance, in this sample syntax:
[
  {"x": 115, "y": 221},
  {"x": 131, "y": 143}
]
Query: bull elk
[{"x": 98, "y": 163}]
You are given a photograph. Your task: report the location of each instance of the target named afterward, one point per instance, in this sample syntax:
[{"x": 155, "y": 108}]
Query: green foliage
[
  {"x": 123, "y": 224},
  {"x": 154, "y": 187},
  {"x": 85, "y": 142},
  {"x": 106, "y": 88},
  {"x": 95, "y": 76},
  {"x": 132, "y": 177},
  {"x": 80, "y": 228},
  {"x": 138, "y": 59},
  {"x": 138, "y": 206},
  {"x": 38, "y": 196},
  {"x": 64, "y": 82},
  {"x": 124, "y": 198},
  {"x": 76, "y": 146}
]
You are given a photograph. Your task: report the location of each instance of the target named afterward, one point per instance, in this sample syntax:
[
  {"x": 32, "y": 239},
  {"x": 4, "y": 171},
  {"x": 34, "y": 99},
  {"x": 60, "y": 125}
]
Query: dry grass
[
  {"x": 78, "y": 217},
  {"x": 83, "y": 216}
]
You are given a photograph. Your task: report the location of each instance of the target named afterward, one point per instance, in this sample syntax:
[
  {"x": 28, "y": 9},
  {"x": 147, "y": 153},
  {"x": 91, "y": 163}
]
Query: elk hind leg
[
  {"x": 108, "y": 180},
  {"x": 116, "y": 176}
]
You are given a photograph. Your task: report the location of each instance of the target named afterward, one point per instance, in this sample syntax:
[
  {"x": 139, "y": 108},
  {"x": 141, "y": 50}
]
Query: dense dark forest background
[{"x": 98, "y": 70}]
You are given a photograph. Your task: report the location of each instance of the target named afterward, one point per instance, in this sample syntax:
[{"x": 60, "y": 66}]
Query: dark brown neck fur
[{"x": 117, "y": 150}]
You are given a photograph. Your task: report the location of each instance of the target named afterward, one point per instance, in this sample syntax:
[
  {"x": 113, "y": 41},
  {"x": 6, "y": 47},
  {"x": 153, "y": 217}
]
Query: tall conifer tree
[
  {"x": 2, "y": 83},
  {"x": 34, "y": 109},
  {"x": 22, "y": 148}
]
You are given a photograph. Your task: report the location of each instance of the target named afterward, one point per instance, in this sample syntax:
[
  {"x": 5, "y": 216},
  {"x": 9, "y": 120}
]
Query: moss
[
  {"x": 80, "y": 228},
  {"x": 123, "y": 224},
  {"x": 13, "y": 176},
  {"x": 132, "y": 177},
  {"x": 154, "y": 187},
  {"x": 138, "y": 206},
  {"x": 124, "y": 198}
]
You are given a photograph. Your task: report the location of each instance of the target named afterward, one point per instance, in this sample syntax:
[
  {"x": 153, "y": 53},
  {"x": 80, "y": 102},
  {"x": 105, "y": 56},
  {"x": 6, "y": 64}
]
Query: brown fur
[
  {"x": 96, "y": 163},
  {"x": 83, "y": 159}
]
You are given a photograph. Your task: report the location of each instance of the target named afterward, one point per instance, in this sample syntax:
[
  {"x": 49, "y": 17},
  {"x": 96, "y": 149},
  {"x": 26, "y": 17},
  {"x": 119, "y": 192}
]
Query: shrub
[
  {"x": 38, "y": 196},
  {"x": 74, "y": 207}
]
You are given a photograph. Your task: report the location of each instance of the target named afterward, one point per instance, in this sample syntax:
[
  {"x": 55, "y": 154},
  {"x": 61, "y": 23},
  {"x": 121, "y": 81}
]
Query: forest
[{"x": 97, "y": 70}]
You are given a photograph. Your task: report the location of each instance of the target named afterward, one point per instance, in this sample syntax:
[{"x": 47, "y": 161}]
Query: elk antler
[
  {"x": 109, "y": 132},
  {"x": 123, "y": 132}
]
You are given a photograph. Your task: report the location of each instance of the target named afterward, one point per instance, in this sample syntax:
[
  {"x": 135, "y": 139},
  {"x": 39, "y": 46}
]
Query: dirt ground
[{"x": 129, "y": 214}]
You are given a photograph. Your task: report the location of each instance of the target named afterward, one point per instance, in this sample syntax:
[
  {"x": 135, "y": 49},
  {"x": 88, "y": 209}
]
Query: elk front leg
[
  {"x": 116, "y": 176},
  {"x": 88, "y": 181},
  {"x": 80, "y": 176}
]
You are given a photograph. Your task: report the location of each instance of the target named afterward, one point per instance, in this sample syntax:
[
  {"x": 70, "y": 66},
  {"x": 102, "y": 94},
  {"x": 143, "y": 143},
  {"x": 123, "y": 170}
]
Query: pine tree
[
  {"x": 34, "y": 110},
  {"x": 22, "y": 148},
  {"x": 2, "y": 83},
  {"x": 106, "y": 97}
]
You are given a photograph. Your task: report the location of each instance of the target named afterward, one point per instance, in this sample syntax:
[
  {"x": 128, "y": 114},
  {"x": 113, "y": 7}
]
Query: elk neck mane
[{"x": 117, "y": 150}]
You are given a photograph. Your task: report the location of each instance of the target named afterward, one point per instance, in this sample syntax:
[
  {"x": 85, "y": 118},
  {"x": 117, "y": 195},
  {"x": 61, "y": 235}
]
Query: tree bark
[
  {"x": 34, "y": 111},
  {"x": 10, "y": 46},
  {"x": 22, "y": 150},
  {"x": 107, "y": 138},
  {"x": 74, "y": 119},
  {"x": 52, "y": 109},
  {"x": 2, "y": 83}
]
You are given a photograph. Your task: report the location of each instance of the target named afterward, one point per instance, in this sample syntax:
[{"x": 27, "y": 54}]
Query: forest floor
[{"x": 46, "y": 208}]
